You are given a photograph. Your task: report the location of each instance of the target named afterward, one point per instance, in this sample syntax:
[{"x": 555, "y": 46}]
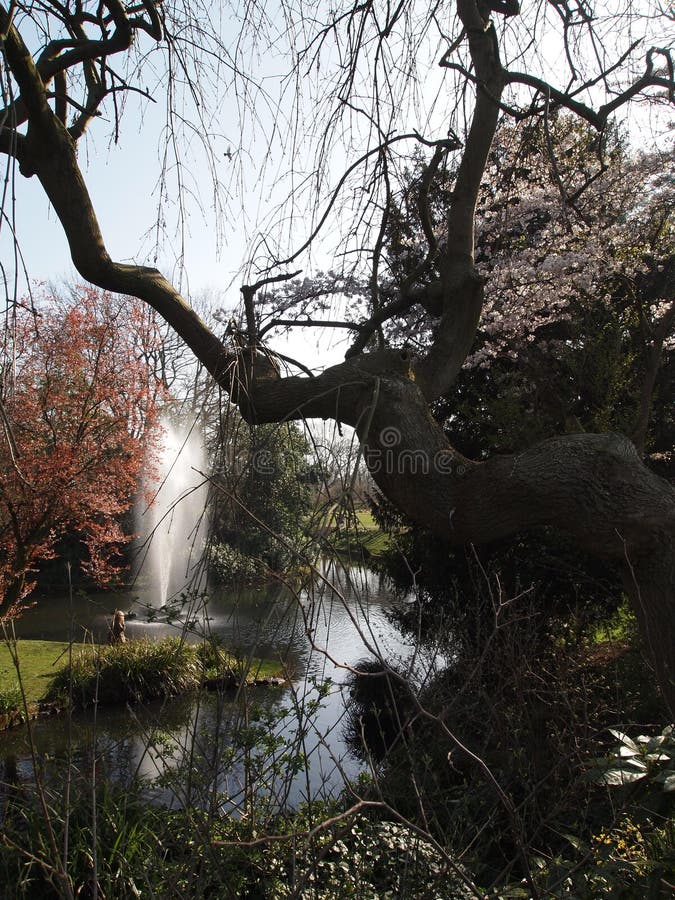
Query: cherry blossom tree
[
  {"x": 578, "y": 256},
  {"x": 367, "y": 79},
  {"x": 79, "y": 410}
]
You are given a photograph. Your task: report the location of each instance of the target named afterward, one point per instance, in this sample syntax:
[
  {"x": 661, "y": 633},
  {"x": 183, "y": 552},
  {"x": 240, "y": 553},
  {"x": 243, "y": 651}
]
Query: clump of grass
[
  {"x": 214, "y": 659},
  {"x": 125, "y": 842},
  {"x": 128, "y": 673},
  {"x": 139, "y": 671},
  {"x": 10, "y": 700}
]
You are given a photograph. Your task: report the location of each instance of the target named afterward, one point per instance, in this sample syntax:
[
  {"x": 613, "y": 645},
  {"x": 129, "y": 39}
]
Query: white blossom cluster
[
  {"x": 547, "y": 244},
  {"x": 561, "y": 222}
]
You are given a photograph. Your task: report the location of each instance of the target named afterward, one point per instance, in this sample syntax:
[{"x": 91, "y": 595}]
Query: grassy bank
[
  {"x": 135, "y": 671},
  {"x": 361, "y": 537},
  {"x": 39, "y": 661}
]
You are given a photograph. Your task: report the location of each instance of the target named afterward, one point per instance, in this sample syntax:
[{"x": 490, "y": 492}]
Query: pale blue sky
[{"x": 122, "y": 181}]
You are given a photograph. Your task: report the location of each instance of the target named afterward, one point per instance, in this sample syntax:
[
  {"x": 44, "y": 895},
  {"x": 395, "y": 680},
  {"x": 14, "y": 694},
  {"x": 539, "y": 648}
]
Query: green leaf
[
  {"x": 574, "y": 841},
  {"x": 657, "y": 757},
  {"x": 669, "y": 783},
  {"x": 629, "y": 742},
  {"x": 618, "y": 777},
  {"x": 626, "y": 752},
  {"x": 667, "y": 779},
  {"x": 632, "y": 763}
]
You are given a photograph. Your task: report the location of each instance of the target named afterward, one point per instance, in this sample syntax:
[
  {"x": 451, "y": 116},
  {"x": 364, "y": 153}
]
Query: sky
[
  {"x": 206, "y": 245},
  {"x": 122, "y": 181}
]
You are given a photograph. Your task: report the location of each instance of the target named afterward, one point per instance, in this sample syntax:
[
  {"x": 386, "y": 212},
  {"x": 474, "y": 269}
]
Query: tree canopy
[
  {"x": 371, "y": 82},
  {"x": 261, "y": 499},
  {"x": 79, "y": 417}
]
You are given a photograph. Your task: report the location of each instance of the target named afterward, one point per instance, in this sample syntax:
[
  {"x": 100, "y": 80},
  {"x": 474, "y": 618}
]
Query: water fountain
[{"x": 172, "y": 527}]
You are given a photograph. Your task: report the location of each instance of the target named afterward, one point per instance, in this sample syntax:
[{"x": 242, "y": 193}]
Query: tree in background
[
  {"x": 79, "y": 409},
  {"x": 261, "y": 499}
]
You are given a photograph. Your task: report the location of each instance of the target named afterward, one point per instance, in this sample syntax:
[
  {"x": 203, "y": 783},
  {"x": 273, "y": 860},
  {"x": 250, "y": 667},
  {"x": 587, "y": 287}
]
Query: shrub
[
  {"x": 649, "y": 759},
  {"x": 189, "y": 853},
  {"x": 228, "y": 565},
  {"x": 128, "y": 673},
  {"x": 10, "y": 699}
]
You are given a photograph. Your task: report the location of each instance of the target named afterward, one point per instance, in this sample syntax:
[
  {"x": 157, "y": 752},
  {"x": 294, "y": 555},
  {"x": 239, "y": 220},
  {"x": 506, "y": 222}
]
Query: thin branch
[
  {"x": 423, "y": 198},
  {"x": 451, "y": 143},
  {"x": 249, "y": 291},
  {"x": 560, "y": 97},
  {"x": 308, "y": 323}
]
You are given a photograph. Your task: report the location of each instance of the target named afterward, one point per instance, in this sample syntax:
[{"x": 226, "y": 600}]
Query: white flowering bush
[
  {"x": 566, "y": 221},
  {"x": 371, "y": 859}
]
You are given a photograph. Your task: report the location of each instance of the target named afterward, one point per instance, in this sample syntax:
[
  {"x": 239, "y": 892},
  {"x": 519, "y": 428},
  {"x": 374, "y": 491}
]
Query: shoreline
[{"x": 35, "y": 664}]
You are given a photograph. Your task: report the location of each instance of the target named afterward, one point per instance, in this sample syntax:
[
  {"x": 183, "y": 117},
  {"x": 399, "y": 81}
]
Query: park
[{"x": 337, "y": 521}]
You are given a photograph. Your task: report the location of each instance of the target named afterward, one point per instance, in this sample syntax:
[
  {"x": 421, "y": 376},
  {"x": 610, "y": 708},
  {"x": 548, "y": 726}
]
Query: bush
[
  {"x": 529, "y": 708},
  {"x": 129, "y": 673},
  {"x": 139, "y": 671},
  {"x": 229, "y": 565},
  {"x": 630, "y": 858},
  {"x": 10, "y": 700},
  {"x": 189, "y": 853}
]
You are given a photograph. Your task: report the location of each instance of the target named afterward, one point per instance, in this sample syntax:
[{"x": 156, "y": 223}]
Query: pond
[{"x": 184, "y": 747}]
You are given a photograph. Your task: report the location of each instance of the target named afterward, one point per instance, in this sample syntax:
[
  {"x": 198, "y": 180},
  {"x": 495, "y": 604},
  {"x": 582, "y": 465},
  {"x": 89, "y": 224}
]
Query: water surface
[{"x": 316, "y": 634}]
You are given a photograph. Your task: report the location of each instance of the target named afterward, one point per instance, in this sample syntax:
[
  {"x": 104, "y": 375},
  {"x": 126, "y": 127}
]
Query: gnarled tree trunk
[{"x": 593, "y": 487}]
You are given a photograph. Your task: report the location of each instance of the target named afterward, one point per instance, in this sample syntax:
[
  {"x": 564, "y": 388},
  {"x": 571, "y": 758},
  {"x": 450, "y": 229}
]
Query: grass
[
  {"x": 366, "y": 520},
  {"x": 137, "y": 670},
  {"x": 620, "y": 627},
  {"x": 39, "y": 662},
  {"x": 365, "y": 537}
]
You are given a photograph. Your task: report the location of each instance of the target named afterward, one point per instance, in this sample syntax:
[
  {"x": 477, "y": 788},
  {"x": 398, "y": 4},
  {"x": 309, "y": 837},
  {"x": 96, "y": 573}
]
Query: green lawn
[
  {"x": 366, "y": 520},
  {"x": 366, "y": 536},
  {"x": 39, "y": 661}
]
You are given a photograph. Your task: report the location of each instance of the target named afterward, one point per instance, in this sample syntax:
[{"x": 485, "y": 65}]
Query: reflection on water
[{"x": 317, "y": 634}]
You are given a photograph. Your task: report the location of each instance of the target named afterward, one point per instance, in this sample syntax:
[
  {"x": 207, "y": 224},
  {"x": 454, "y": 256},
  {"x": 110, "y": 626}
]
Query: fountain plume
[{"x": 172, "y": 526}]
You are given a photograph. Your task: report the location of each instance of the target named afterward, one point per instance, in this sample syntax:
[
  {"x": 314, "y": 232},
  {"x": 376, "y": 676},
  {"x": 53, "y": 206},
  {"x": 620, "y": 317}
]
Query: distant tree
[
  {"x": 79, "y": 408},
  {"x": 261, "y": 500}
]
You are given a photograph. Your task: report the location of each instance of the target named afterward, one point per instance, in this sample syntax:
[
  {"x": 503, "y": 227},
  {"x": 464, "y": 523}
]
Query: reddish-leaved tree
[{"x": 79, "y": 408}]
